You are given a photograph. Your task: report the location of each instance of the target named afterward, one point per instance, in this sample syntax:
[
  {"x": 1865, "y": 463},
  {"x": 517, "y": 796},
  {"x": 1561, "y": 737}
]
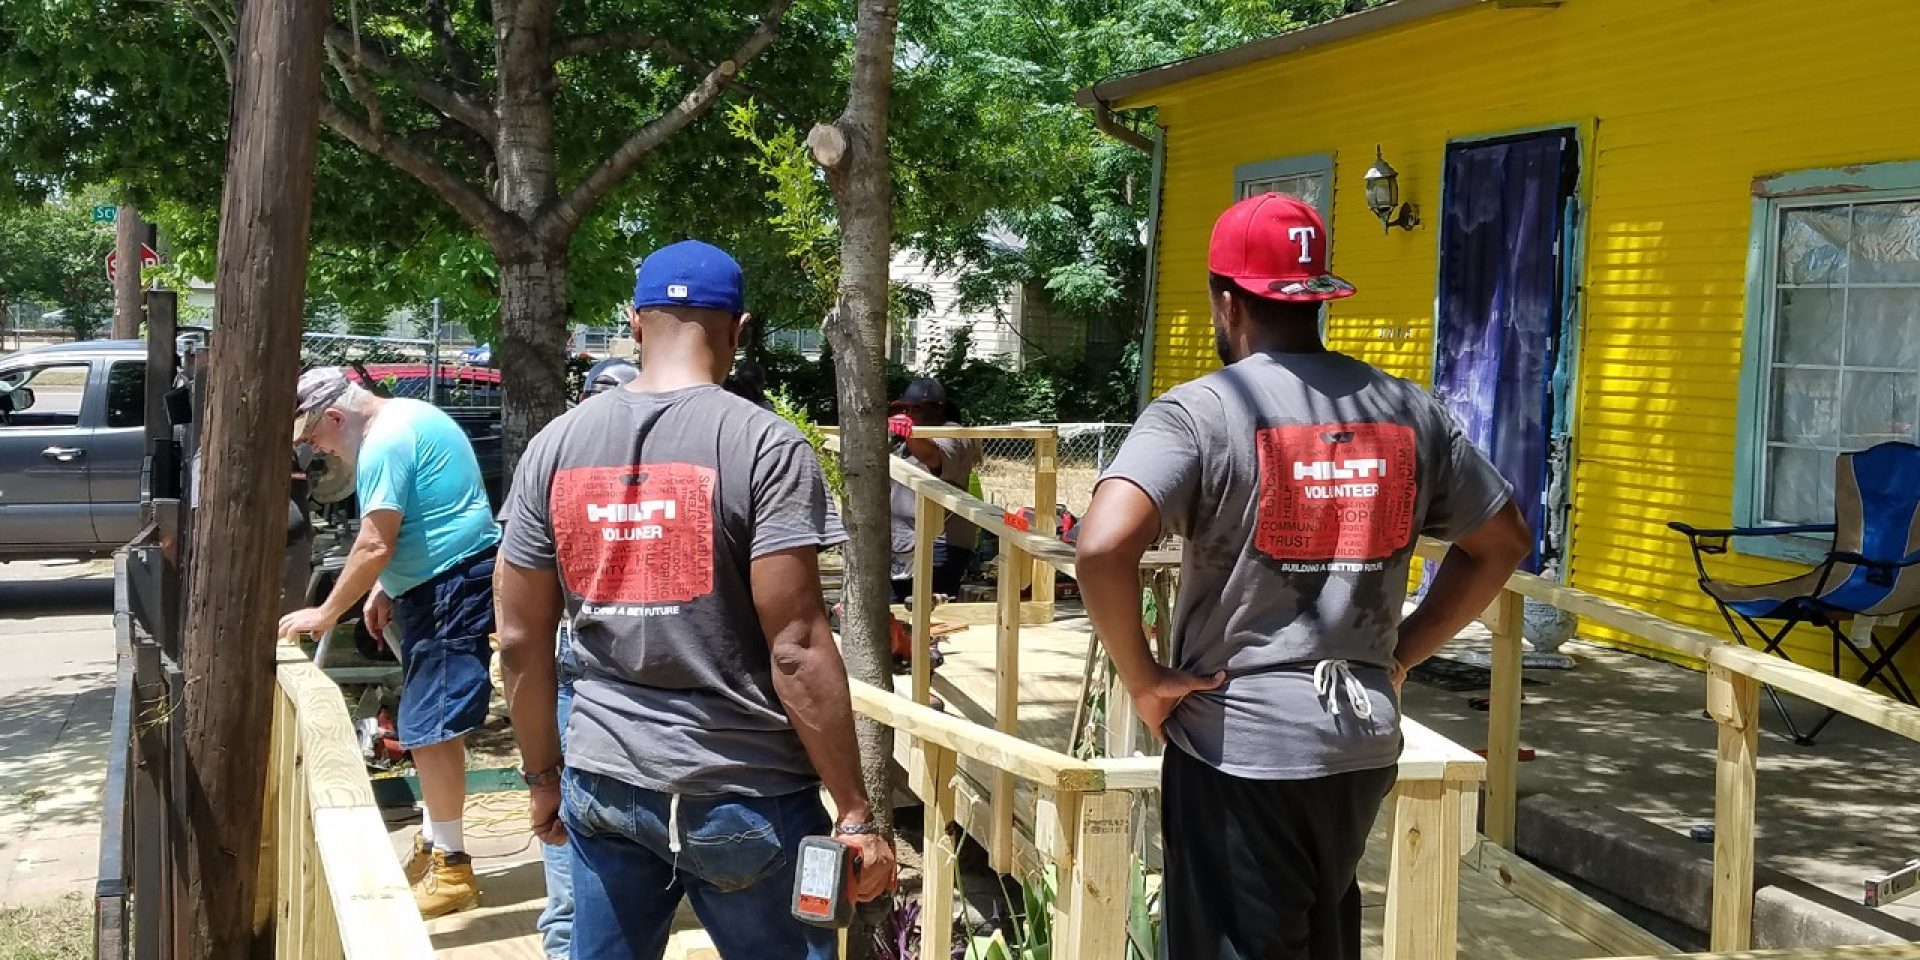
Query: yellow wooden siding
[{"x": 1680, "y": 104}]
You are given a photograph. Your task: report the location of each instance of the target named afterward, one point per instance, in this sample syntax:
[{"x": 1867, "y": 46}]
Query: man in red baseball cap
[{"x": 1300, "y": 480}]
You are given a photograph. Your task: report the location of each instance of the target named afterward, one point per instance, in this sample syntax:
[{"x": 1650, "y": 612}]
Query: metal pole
[{"x": 433, "y": 356}]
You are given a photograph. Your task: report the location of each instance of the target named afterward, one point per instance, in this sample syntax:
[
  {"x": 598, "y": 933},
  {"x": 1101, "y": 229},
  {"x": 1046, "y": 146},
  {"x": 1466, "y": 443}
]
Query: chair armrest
[
  {"x": 1694, "y": 532},
  {"x": 1847, "y": 556}
]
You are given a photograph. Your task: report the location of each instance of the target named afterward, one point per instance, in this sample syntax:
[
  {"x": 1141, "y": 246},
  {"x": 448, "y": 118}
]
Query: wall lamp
[{"x": 1383, "y": 196}]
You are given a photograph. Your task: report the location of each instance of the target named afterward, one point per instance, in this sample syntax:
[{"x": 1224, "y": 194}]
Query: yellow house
[{"x": 1668, "y": 250}]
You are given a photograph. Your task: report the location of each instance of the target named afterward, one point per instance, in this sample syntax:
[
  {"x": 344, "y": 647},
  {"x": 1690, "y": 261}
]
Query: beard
[{"x": 1223, "y": 348}]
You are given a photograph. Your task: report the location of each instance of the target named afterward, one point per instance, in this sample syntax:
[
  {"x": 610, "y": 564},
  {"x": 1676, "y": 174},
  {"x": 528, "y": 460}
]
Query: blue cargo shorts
[{"x": 445, "y": 651}]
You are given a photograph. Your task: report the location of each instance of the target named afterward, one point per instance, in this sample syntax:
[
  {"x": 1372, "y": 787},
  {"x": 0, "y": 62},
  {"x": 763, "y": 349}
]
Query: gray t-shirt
[
  {"x": 652, "y": 507},
  {"x": 1300, "y": 483},
  {"x": 957, "y": 460}
]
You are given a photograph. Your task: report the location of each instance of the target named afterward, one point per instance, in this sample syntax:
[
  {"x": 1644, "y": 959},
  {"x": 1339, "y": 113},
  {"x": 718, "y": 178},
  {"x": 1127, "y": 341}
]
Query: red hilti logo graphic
[
  {"x": 1324, "y": 470},
  {"x": 1335, "y": 492},
  {"x": 638, "y": 534}
]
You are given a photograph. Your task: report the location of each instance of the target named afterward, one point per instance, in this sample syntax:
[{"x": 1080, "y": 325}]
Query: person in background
[
  {"x": 749, "y": 382},
  {"x": 677, "y": 528},
  {"x": 924, "y": 403},
  {"x": 424, "y": 561},
  {"x": 1300, "y": 480},
  {"x": 555, "y": 922},
  {"x": 605, "y": 375}
]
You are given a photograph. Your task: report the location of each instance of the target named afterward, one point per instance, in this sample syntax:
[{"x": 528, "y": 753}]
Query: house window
[
  {"x": 1308, "y": 178},
  {"x": 1834, "y": 347}
]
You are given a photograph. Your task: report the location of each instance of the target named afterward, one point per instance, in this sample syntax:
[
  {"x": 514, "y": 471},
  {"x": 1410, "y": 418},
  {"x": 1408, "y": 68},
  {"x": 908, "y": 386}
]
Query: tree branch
[
  {"x": 471, "y": 204},
  {"x": 642, "y": 41},
  {"x": 459, "y": 62},
  {"x": 448, "y": 101},
  {"x": 357, "y": 86},
  {"x": 217, "y": 30},
  {"x": 560, "y": 220}
]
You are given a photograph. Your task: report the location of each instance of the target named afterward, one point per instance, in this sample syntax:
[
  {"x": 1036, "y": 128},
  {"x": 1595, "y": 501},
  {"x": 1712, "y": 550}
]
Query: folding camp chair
[{"x": 1871, "y": 572}]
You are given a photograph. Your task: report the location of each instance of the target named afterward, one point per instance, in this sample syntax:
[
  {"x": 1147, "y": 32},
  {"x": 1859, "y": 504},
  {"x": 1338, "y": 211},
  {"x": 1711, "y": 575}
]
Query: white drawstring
[
  {"x": 673, "y": 834},
  {"x": 1330, "y": 676}
]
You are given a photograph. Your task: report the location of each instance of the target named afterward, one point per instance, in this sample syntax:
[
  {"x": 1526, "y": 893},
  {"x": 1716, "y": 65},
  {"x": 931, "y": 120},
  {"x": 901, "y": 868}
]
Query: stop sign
[{"x": 148, "y": 258}]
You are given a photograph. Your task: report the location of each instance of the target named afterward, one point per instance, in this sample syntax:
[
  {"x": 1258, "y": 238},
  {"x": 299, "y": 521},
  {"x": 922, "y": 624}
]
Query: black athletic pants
[{"x": 1264, "y": 869}]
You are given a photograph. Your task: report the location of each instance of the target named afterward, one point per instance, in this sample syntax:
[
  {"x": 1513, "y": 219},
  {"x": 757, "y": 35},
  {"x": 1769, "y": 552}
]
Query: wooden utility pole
[
  {"x": 853, "y": 151},
  {"x": 233, "y": 594},
  {"x": 129, "y": 232}
]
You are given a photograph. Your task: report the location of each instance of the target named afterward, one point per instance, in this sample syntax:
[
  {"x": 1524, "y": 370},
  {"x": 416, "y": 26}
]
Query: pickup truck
[{"x": 72, "y": 441}]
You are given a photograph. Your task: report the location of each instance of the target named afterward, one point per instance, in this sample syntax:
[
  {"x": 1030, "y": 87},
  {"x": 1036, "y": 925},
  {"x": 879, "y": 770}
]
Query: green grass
[{"x": 62, "y": 930}]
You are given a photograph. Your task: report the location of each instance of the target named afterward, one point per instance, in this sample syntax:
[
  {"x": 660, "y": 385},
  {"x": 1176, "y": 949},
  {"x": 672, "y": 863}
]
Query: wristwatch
[
  {"x": 856, "y": 829},
  {"x": 542, "y": 778}
]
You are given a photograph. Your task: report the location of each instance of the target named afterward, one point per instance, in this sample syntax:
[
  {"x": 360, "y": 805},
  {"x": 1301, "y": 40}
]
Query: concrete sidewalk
[
  {"x": 1622, "y": 736},
  {"x": 56, "y": 709}
]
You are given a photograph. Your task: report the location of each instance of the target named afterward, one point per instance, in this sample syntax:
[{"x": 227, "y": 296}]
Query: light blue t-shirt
[{"x": 417, "y": 461}]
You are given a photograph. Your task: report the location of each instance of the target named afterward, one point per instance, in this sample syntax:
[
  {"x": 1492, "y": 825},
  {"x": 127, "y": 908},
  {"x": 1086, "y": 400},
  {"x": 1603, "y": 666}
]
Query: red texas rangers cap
[{"x": 1274, "y": 246}]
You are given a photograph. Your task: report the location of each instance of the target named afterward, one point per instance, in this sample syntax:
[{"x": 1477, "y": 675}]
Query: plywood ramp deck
[{"x": 1495, "y": 924}]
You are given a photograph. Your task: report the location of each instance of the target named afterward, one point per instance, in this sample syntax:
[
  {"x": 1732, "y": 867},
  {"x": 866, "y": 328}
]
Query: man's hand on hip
[{"x": 1156, "y": 700}]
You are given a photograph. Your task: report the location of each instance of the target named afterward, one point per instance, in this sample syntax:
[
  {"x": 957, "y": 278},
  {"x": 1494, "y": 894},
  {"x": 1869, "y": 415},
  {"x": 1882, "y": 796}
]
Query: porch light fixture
[{"x": 1383, "y": 196}]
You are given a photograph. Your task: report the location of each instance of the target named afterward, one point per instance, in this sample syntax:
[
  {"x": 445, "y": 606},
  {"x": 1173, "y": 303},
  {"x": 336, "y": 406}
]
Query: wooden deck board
[{"x": 1494, "y": 923}]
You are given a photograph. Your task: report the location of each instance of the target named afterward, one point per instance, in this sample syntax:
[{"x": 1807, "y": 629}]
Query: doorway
[{"x": 1502, "y": 314}]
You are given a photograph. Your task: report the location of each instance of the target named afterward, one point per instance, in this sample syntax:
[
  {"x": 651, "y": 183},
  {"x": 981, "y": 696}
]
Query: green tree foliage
[{"x": 51, "y": 258}]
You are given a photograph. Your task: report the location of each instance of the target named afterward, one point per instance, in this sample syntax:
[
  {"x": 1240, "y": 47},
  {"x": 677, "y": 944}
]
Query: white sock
[
  {"x": 448, "y": 835},
  {"x": 426, "y": 828}
]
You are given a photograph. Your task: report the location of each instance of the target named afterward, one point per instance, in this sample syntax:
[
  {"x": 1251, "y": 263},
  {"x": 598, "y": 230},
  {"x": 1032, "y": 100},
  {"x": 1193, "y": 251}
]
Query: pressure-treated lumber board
[
  {"x": 1503, "y": 721},
  {"x": 999, "y": 750},
  {"x": 1733, "y": 701},
  {"x": 1877, "y": 951},
  {"x": 1423, "y": 885},
  {"x": 940, "y": 860},
  {"x": 1046, "y": 520},
  {"x": 982, "y": 614},
  {"x": 1096, "y": 883},
  {"x": 928, "y": 519},
  {"x": 1006, "y": 709},
  {"x": 1559, "y": 900}
]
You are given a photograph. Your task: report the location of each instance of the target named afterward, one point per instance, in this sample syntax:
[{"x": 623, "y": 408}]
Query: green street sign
[{"x": 106, "y": 214}]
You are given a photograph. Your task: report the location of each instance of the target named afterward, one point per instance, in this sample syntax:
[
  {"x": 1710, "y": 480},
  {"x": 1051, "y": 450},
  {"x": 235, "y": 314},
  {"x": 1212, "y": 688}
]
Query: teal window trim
[
  {"x": 1309, "y": 163},
  {"x": 1772, "y": 194}
]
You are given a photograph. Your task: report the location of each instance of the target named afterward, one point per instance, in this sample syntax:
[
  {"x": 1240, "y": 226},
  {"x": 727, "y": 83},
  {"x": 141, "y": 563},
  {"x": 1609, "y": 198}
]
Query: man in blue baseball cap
[{"x": 677, "y": 528}]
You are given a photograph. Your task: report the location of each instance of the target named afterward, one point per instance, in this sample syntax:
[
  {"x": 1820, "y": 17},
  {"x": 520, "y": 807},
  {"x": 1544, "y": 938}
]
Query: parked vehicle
[{"x": 72, "y": 442}]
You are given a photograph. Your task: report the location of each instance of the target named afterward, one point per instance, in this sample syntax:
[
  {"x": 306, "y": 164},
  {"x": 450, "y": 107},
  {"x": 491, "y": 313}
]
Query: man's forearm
[
  {"x": 533, "y": 689},
  {"x": 1110, "y": 590},
  {"x": 1460, "y": 592},
  {"x": 811, "y": 682},
  {"x": 364, "y": 563}
]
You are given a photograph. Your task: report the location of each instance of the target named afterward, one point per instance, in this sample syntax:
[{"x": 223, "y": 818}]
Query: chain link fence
[
  {"x": 415, "y": 369},
  {"x": 1007, "y": 465}
]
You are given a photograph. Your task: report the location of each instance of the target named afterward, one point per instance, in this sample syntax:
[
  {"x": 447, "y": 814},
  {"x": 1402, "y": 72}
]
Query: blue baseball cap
[{"x": 690, "y": 274}]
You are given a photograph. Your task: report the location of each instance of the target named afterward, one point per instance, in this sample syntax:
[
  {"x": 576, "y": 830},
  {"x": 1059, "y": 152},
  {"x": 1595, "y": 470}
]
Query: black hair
[{"x": 1267, "y": 313}]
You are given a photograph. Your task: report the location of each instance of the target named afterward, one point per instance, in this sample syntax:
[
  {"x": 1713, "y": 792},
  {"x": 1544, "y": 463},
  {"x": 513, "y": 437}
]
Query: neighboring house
[
  {"x": 1013, "y": 331},
  {"x": 1667, "y": 263}
]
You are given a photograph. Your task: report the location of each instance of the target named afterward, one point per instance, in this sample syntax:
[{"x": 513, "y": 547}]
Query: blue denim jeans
[
  {"x": 734, "y": 861},
  {"x": 556, "y": 921},
  {"x": 444, "y": 654}
]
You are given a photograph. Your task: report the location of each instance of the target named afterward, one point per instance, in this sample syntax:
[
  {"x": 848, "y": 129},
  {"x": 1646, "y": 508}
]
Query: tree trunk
[
  {"x": 533, "y": 276},
  {"x": 129, "y": 232},
  {"x": 854, "y": 153},
  {"x": 533, "y": 343},
  {"x": 233, "y": 604}
]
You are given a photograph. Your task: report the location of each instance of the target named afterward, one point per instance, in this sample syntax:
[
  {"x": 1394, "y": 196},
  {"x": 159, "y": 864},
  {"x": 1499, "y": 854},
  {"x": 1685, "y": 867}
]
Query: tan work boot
[
  {"x": 449, "y": 887},
  {"x": 419, "y": 861}
]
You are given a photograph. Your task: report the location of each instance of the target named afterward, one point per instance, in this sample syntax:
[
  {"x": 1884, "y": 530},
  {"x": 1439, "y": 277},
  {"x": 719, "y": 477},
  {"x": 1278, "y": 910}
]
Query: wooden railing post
[
  {"x": 1006, "y": 706},
  {"x": 1732, "y": 700},
  {"x": 1423, "y": 883},
  {"x": 1046, "y": 500},
  {"x": 927, "y": 520},
  {"x": 1503, "y": 719},
  {"x": 1094, "y": 884},
  {"x": 939, "y": 856}
]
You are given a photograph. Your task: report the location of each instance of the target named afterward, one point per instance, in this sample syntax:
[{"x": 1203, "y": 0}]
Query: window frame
[
  {"x": 1294, "y": 166},
  {"x": 1772, "y": 196},
  {"x": 106, "y": 394},
  {"x": 34, "y": 369}
]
